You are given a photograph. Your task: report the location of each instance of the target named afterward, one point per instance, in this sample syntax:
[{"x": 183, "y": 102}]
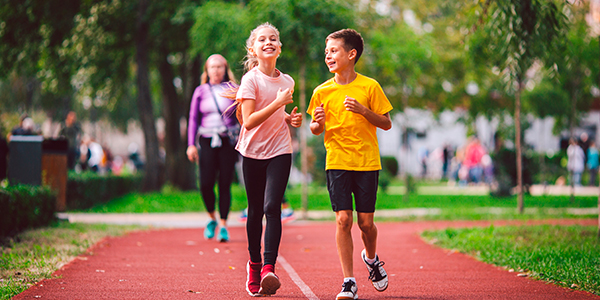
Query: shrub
[
  {"x": 390, "y": 164},
  {"x": 24, "y": 207},
  {"x": 88, "y": 189}
]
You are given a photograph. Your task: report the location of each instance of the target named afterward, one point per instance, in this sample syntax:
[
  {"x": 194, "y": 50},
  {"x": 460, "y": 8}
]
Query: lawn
[
  {"x": 35, "y": 254},
  {"x": 452, "y": 207},
  {"x": 565, "y": 255}
]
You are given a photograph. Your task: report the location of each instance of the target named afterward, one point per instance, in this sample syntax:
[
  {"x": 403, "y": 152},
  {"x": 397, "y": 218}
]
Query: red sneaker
[
  {"x": 253, "y": 280},
  {"x": 269, "y": 282}
]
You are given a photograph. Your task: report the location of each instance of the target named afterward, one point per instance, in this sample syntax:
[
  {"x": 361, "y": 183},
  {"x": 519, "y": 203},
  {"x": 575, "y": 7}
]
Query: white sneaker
[
  {"x": 377, "y": 274},
  {"x": 348, "y": 292}
]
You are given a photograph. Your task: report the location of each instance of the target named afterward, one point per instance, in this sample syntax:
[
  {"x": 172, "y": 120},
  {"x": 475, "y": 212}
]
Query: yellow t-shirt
[{"x": 350, "y": 140}]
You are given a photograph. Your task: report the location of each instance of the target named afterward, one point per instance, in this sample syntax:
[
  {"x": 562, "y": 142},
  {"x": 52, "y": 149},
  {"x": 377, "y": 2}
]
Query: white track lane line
[{"x": 296, "y": 279}]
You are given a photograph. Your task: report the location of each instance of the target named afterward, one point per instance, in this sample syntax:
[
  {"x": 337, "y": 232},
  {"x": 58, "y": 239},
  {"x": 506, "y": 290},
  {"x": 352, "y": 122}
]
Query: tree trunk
[
  {"x": 520, "y": 203},
  {"x": 178, "y": 166},
  {"x": 303, "y": 148},
  {"x": 152, "y": 166}
]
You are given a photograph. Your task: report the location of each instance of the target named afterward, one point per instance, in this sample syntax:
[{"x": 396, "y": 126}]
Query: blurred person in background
[
  {"x": 208, "y": 128},
  {"x": 576, "y": 161},
  {"x": 592, "y": 163},
  {"x": 71, "y": 130}
]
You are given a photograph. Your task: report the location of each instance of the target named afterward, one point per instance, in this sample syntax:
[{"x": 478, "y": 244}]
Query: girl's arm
[
  {"x": 253, "y": 118},
  {"x": 294, "y": 118},
  {"x": 382, "y": 121}
]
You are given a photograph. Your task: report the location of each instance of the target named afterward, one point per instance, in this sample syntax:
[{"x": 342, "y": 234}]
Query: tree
[{"x": 513, "y": 35}]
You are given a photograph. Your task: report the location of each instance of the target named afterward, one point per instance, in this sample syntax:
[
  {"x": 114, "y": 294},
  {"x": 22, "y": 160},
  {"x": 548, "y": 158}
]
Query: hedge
[
  {"x": 89, "y": 189},
  {"x": 24, "y": 207}
]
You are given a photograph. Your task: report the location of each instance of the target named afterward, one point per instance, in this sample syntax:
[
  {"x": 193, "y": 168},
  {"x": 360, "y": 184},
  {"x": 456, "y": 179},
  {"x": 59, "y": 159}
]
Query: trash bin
[
  {"x": 54, "y": 169},
  {"x": 25, "y": 159}
]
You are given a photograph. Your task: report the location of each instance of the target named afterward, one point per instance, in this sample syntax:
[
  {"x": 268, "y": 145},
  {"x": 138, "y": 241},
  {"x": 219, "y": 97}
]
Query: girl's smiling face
[{"x": 267, "y": 44}]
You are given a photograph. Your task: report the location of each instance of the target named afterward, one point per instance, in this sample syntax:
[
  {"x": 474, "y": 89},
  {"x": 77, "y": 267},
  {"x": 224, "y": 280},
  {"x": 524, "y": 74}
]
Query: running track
[{"x": 179, "y": 264}]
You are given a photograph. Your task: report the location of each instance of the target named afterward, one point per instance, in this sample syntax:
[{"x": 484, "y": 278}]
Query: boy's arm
[
  {"x": 382, "y": 121},
  {"x": 317, "y": 125}
]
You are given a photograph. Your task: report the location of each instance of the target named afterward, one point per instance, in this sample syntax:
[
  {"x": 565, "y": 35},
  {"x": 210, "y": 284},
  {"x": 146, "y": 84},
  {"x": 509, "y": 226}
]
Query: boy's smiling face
[{"x": 336, "y": 56}]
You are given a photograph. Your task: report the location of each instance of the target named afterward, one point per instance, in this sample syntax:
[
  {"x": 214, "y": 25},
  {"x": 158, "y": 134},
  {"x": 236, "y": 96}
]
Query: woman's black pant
[{"x": 217, "y": 163}]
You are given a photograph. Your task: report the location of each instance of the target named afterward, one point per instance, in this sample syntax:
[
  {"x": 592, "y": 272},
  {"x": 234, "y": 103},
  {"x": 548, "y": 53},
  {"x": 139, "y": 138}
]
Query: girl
[
  {"x": 266, "y": 146},
  {"x": 217, "y": 154}
]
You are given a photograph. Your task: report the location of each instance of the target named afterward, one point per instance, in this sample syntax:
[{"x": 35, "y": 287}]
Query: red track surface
[{"x": 179, "y": 264}]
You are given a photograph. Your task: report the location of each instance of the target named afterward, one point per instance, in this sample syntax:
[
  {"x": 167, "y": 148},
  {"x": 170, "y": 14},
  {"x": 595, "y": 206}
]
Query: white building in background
[{"x": 426, "y": 132}]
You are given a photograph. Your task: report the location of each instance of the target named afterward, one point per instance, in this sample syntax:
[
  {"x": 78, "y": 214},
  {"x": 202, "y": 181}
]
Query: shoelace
[
  {"x": 347, "y": 286},
  {"x": 374, "y": 273}
]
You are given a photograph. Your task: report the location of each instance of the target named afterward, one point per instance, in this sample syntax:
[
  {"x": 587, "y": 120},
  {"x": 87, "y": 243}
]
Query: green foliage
[
  {"x": 390, "y": 164},
  {"x": 222, "y": 28},
  {"x": 24, "y": 207},
  {"x": 405, "y": 70},
  {"x": 565, "y": 255},
  {"x": 88, "y": 189}
]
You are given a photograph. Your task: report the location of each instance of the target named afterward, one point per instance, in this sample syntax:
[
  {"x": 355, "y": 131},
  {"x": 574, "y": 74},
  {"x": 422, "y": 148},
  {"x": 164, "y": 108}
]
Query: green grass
[
  {"x": 565, "y": 255},
  {"x": 453, "y": 207},
  {"x": 35, "y": 254}
]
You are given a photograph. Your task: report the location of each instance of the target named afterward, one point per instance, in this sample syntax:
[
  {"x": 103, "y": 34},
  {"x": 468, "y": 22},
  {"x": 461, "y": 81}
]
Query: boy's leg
[
  {"x": 343, "y": 239},
  {"x": 368, "y": 233}
]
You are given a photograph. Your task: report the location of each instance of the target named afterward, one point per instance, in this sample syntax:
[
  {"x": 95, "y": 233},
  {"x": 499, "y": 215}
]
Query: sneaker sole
[
  {"x": 269, "y": 284},
  {"x": 385, "y": 288},
  {"x": 347, "y": 297}
]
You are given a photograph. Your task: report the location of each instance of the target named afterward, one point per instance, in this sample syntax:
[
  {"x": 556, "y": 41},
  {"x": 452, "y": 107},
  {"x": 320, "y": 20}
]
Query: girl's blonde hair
[
  {"x": 250, "y": 61},
  {"x": 228, "y": 73}
]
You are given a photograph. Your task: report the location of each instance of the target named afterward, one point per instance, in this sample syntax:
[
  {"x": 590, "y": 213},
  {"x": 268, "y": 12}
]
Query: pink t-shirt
[{"x": 272, "y": 137}]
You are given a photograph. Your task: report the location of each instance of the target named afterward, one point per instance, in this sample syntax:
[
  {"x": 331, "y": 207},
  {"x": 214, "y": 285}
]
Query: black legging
[
  {"x": 265, "y": 182},
  {"x": 212, "y": 161}
]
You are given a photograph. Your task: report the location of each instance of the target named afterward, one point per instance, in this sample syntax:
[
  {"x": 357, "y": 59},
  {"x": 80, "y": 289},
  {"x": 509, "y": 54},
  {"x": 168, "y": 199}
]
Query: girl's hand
[
  {"x": 354, "y": 106},
  {"x": 295, "y": 118},
  {"x": 192, "y": 153},
  {"x": 284, "y": 97}
]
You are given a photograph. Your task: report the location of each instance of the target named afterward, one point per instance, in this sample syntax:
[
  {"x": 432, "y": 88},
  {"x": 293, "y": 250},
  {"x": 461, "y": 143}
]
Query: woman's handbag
[{"x": 233, "y": 131}]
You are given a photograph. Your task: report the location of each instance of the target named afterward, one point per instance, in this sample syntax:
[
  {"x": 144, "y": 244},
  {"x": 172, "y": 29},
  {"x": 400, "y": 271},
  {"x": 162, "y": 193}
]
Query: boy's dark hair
[{"x": 352, "y": 40}]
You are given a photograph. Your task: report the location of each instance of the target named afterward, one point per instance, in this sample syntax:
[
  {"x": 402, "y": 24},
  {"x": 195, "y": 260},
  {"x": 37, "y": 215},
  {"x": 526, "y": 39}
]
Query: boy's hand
[
  {"x": 295, "y": 118},
  {"x": 284, "y": 97},
  {"x": 354, "y": 106},
  {"x": 319, "y": 115}
]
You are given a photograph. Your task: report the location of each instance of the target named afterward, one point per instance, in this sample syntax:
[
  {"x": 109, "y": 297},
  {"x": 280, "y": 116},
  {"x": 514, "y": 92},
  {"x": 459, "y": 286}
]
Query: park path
[{"x": 180, "y": 264}]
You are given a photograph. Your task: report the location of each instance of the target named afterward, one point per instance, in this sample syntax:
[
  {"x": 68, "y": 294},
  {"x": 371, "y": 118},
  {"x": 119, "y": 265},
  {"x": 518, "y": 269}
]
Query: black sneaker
[
  {"x": 377, "y": 274},
  {"x": 348, "y": 292}
]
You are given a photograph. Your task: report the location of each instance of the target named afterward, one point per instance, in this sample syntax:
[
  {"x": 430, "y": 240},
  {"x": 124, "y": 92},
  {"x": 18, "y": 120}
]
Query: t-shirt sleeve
[
  {"x": 379, "y": 101},
  {"x": 194, "y": 118},
  {"x": 247, "y": 88},
  {"x": 315, "y": 101}
]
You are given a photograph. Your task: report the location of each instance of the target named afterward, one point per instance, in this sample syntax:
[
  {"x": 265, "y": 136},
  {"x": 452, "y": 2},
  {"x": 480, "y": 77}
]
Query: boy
[{"x": 349, "y": 108}]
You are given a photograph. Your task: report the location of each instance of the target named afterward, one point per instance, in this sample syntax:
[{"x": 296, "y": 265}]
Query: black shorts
[{"x": 341, "y": 184}]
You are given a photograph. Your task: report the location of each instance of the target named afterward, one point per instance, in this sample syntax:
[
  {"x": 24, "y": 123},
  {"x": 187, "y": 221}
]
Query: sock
[
  {"x": 346, "y": 279},
  {"x": 371, "y": 260}
]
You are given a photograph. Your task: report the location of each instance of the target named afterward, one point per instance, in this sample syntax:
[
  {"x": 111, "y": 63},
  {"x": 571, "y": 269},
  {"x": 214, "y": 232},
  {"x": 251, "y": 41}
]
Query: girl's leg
[
  {"x": 255, "y": 178},
  {"x": 278, "y": 173},
  {"x": 208, "y": 173}
]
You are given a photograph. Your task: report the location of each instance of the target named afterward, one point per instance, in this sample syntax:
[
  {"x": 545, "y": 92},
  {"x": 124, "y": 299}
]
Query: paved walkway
[
  {"x": 179, "y": 264},
  {"x": 196, "y": 220}
]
